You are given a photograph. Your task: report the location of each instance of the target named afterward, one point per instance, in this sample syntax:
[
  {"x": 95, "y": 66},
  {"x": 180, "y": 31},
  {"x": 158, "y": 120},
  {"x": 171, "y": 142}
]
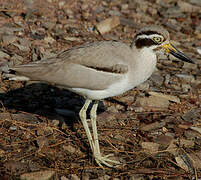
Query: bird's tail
[{"x": 7, "y": 72}]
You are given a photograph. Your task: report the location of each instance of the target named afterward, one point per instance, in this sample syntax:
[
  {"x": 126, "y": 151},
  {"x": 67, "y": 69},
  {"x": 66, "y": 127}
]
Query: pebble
[
  {"x": 165, "y": 96},
  {"x": 4, "y": 55},
  {"x": 16, "y": 59},
  {"x": 71, "y": 149},
  {"x": 9, "y": 39},
  {"x": 186, "y": 78},
  {"x": 152, "y": 102},
  {"x": 150, "y": 147},
  {"x": 187, "y": 7},
  {"x": 195, "y": 2},
  {"x": 39, "y": 175},
  {"x": 144, "y": 86},
  {"x": 73, "y": 177},
  {"x": 108, "y": 24},
  {"x": 152, "y": 126},
  {"x": 157, "y": 79},
  {"x": 13, "y": 128},
  {"x": 186, "y": 88},
  {"x": 191, "y": 115}
]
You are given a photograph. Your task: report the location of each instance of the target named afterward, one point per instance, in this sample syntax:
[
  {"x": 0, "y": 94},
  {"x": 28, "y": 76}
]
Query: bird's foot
[{"x": 100, "y": 160}]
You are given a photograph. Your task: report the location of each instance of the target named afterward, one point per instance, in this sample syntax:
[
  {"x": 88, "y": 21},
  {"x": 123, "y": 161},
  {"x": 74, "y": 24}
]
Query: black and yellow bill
[{"x": 169, "y": 48}]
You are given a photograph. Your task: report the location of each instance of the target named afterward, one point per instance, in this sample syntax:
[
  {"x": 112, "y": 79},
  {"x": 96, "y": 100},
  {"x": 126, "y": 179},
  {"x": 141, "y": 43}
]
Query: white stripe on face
[{"x": 144, "y": 36}]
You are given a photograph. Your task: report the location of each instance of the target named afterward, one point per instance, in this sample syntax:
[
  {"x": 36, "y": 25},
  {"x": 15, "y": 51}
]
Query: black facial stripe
[
  {"x": 144, "y": 42},
  {"x": 147, "y": 33}
]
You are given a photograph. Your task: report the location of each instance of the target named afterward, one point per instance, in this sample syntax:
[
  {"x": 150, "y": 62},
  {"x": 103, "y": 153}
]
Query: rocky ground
[{"x": 154, "y": 129}]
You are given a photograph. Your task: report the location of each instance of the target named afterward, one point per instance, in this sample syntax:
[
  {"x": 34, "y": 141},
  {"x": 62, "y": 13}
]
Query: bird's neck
[{"x": 145, "y": 63}]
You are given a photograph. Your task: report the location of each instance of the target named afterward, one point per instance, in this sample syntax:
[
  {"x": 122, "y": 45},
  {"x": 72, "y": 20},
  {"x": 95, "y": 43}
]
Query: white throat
[{"x": 145, "y": 59}]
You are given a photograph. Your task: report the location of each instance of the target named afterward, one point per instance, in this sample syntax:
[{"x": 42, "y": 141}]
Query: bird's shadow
[
  {"x": 47, "y": 101},
  {"x": 50, "y": 102}
]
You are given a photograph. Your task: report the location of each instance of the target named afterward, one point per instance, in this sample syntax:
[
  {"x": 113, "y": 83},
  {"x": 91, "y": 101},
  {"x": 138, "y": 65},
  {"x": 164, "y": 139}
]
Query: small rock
[
  {"x": 73, "y": 177},
  {"x": 136, "y": 177},
  {"x": 186, "y": 88},
  {"x": 189, "y": 66},
  {"x": 143, "y": 87},
  {"x": 195, "y": 2},
  {"x": 191, "y": 115},
  {"x": 165, "y": 96},
  {"x": 9, "y": 39},
  {"x": 127, "y": 99},
  {"x": 42, "y": 141},
  {"x": 2, "y": 153},
  {"x": 55, "y": 122},
  {"x": 48, "y": 25},
  {"x": 40, "y": 175},
  {"x": 152, "y": 102},
  {"x": 68, "y": 38},
  {"x": 4, "y": 55},
  {"x": 21, "y": 47},
  {"x": 64, "y": 178},
  {"x": 15, "y": 166},
  {"x": 69, "y": 148},
  {"x": 114, "y": 13},
  {"x": 150, "y": 147},
  {"x": 108, "y": 24},
  {"x": 105, "y": 177},
  {"x": 186, "y": 143},
  {"x": 173, "y": 148},
  {"x": 72, "y": 149},
  {"x": 13, "y": 128},
  {"x": 157, "y": 79},
  {"x": 198, "y": 129},
  {"x": 128, "y": 22},
  {"x": 191, "y": 134},
  {"x": 187, "y": 7},
  {"x": 167, "y": 79},
  {"x": 186, "y": 78},
  {"x": 49, "y": 39},
  {"x": 16, "y": 59},
  {"x": 164, "y": 140},
  {"x": 153, "y": 126},
  {"x": 61, "y": 4},
  {"x": 196, "y": 158},
  {"x": 199, "y": 51},
  {"x": 25, "y": 42}
]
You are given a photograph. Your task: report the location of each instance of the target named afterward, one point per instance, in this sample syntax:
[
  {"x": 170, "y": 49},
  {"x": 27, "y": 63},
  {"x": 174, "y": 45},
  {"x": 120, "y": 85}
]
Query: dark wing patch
[{"x": 117, "y": 69}]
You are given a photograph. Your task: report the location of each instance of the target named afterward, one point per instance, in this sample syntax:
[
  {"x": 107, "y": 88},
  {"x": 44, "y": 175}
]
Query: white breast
[{"x": 113, "y": 90}]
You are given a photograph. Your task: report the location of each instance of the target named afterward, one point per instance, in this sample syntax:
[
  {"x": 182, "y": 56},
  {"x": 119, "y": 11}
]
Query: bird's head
[{"x": 157, "y": 39}]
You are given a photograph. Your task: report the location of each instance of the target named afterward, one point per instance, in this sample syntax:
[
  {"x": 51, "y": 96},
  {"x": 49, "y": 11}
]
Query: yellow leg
[
  {"x": 96, "y": 151},
  {"x": 83, "y": 117}
]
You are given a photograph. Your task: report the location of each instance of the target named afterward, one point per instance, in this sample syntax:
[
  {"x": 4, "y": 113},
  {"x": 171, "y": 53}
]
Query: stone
[
  {"x": 152, "y": 102},
  {"x": 39, "y": 175}
]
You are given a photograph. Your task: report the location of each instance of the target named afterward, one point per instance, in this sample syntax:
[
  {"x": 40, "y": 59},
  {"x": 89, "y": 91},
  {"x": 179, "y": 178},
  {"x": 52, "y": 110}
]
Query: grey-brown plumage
[
  {"x": 100, "y": 70},
  {"x": 78, "y": 66}
]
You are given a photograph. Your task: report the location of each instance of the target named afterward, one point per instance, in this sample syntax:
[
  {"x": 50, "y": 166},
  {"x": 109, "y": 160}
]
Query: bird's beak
[{"x": 169, "y": 48}]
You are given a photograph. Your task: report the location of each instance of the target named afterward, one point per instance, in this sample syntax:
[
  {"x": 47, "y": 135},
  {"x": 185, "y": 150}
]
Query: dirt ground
[{"x": 154, "y": 130}]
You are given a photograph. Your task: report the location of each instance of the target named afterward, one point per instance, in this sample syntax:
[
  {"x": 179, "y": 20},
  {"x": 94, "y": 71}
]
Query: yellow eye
[{"x": 158, "y": 39}]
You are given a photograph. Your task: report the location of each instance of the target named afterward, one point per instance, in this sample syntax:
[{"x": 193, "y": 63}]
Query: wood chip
[
  {"x": 165, "y": 96},
  {"x": 40, "y": 175},
  {"x": 108, "y": 24},
  {"x": 150, "y": 147}
]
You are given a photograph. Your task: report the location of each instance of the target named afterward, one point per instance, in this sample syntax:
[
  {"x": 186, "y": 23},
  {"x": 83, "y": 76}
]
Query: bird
[{"x": 100, "y": 70}]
